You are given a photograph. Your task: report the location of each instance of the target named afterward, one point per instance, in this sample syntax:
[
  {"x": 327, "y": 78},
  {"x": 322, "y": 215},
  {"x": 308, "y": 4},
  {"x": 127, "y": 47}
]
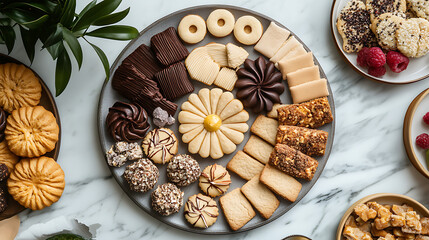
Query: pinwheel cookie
[{"x": 212, "y": 123}]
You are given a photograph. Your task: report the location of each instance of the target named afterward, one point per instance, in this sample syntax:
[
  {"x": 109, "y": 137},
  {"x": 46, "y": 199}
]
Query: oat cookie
[
  {"x": 31, "y": 131},
  {"x": 353, "y": 26},
  {"x": 384, "y": 28},
  {"x": 19, "y": 87}
]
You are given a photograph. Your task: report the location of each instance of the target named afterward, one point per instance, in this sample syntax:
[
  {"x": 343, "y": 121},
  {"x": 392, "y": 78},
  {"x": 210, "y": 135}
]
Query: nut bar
[
  {"x": 311, "y": 142},
  {"x": 311, "y": 114},
  {"x": 144, "y": 60},
  {"x": 167, "y": 47},
  {"x": 293, "y": 162}
]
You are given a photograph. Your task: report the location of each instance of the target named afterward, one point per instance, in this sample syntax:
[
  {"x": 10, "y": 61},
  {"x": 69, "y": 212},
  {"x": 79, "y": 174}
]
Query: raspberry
[
  {"x": 377, "y": 71},
  {"x": 426, "y": 118},
  {"x": 376, "y": 57},
  {"x": 397, "y": 62},
  {"x": 422, "y": 141},
  {"x": 363, "y": 57}
]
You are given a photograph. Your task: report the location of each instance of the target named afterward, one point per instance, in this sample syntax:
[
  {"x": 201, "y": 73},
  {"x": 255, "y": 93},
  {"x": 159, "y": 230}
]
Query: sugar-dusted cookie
[
  {"x": 160, "y": 145},
  {"x": 237, "y": 209},
  {"x": 214, "y": 180},
  {"x": 384, "y": 28},
  {"x": 19, "y": 87},
  {"x": 353, "y": 26},
  {"x": 36, "y": 183},
  {"x": 265, "y": 128},
  {"x": 244, "y": 165},
  {"x": 260, "y": 197},
  {"x": 201, "y": 211},
  {"x": 31, "y": 131},
  {"x": 378, "y": 7}
]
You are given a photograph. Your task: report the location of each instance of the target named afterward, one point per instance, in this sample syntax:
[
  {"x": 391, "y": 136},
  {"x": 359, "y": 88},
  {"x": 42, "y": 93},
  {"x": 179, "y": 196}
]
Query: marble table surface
[{"x": 368, "y": 154}]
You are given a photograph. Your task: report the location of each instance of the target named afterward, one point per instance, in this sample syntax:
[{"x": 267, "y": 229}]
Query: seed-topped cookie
[
  {"x": 353, "y": 25},
  {"x": 384, "y": 28},
  {"x": 378, "y": 7},
  {"x": 419, "y": 7},
  {"x": 408, "y": 35}
]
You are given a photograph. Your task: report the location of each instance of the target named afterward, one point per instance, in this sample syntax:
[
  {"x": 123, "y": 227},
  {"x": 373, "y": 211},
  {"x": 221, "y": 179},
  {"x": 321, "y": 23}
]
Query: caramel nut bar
[
  {"x": 311, "y": 114},
  {"x": 293, "y": 162},
  {"x": 311, "y": 142}
]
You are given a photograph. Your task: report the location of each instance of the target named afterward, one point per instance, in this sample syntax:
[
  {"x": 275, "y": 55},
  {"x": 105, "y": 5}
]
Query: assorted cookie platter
[
  {"x": 416, "y": 132},
  {"x": 396, "y": 32},
  {"x": 48, "y": 114},
  {"x": 208, "y": 143}
]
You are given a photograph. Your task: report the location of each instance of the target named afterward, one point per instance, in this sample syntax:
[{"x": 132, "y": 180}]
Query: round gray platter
[{"x": 108, "y": 97}]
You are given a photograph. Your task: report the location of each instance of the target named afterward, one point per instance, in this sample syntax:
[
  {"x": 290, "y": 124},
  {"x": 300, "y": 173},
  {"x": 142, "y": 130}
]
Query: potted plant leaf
[{"x": 56, "y": 24}]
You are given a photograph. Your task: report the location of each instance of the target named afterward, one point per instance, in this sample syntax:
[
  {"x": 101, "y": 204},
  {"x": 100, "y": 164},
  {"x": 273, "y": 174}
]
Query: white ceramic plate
[
  {"x": 417, "y": 69},
  {"x": 414, "y": 126}
]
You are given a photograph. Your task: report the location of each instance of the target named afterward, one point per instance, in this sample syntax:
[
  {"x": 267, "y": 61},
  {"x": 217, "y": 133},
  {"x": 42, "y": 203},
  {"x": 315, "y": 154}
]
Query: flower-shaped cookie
[{"x": 212, "y": 123}]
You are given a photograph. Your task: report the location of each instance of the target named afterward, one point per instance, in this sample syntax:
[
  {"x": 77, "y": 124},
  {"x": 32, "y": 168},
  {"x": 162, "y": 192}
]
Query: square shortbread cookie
[
  {"x": 265, "y": 128},
  {"x": 237, "y": 209},
  {"x": 244, "y": 165},
  {"x": 280, "y": 183},
  {"x": 258, "y": 148}
]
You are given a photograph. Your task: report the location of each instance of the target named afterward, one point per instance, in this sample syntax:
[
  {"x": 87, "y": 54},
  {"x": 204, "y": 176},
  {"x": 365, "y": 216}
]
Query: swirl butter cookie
[
  {"x": 384, "y": 28},
  {"x": 31, "y": 131},
  {"x": 19, "y": 87}
]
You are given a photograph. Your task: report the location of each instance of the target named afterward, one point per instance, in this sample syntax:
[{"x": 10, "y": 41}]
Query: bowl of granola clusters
[{"x": 385, "y": 216}]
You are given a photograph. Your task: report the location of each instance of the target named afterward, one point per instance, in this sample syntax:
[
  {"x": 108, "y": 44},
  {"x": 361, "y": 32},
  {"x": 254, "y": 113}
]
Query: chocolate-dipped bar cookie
[
  {"x": 134, "y": 85},
  {"x": 311, "y": 114},
  {"x": 174, "y": 81},
  {"x": 144, "y": 60},
  {"x": 167, "y": 47},
  {"x": 311, "y": 142},
  {"x": 293, "y": 162}
]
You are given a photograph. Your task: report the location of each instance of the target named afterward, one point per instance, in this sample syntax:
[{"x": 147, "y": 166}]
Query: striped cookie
[
  {"x": 378, "y": 7},
  {"x": 419, "y": 7},
  {"x": 384, "y": 27},
  {"x": 353, "y": 26}
]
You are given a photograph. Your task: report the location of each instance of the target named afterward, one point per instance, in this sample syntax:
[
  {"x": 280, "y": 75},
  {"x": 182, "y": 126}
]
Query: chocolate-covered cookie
[
  {"x": 259, "y": 85},
  {"x": 167, "y": 47},
  {"x": 174, "y": 81},
  {"x": 144, "y": 60}
]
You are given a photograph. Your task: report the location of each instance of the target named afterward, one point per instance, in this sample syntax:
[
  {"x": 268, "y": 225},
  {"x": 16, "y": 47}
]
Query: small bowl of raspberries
[
  {"x": 374, "y": 59},
  {"x": 422, "y": 140}
]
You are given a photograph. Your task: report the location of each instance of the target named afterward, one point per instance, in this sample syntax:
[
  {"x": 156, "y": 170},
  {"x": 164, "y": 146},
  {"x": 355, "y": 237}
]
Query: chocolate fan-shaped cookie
[{"x": 259, "y": 85}]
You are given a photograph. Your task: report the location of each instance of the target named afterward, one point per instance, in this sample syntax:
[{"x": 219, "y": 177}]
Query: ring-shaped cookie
[
  {"x": 192, "y": 29},
  {"x": 220, "y": 22},
  {"x": 248, "y": 30}
]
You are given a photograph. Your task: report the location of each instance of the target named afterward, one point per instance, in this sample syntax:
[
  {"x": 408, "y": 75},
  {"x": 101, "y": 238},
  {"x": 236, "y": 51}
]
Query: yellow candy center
[{"x": 212, "y": 122}]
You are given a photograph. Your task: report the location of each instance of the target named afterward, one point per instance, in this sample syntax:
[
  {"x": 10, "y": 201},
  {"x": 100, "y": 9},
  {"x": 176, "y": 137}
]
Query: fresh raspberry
[
  {"x": 397, "y": 62},
  {"x": 376, "y": 57},
  {"x": 377, "y": 71},
  {"x": 426, "y": 118},
  {"x": 422, "y": 141},
  {"x": 363, "y": 57}
]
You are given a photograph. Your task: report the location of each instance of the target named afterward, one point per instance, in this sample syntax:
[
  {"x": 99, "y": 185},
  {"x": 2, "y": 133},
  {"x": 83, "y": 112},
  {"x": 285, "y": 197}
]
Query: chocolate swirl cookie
[
  {"x": 259, "y": 85},
  {"x": 127, "y": 122},
  {"x": 2, "y": 124}
]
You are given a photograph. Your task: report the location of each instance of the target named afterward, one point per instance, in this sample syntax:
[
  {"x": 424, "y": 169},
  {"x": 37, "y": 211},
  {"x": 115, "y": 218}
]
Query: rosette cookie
[
  {"x": 127, "y": 122},
  {"x": 259, "y": 85},
  {"x": 3, "y": 118}
]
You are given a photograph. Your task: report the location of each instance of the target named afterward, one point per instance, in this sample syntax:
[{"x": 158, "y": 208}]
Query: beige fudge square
[
  {"x": 258, "y": 148},
  {"x": 260, "y": 197},
  {"x": 265, "y": 128},
  {"x": 273, "y": 113},
  {"x": 308, "y": 91},
  {"x": 237, "y": 209},
  {"x": 244, "y": 166},
  {"x": 303, "y": 75},
  {"x": 272, "y": 40},
  {"x": 280, "y": 183},
  {"x": 296, "y": 63}
]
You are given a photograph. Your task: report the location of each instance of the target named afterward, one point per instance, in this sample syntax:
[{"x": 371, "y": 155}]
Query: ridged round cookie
[
  {"x": 31, "y": 131},
  {"x": 19, "y": 87},
  {"x": 36, "y": 183},
  {"x": 378, "y": 7},
  {"x": 384, "y": 28},
  {"x": 419, "y": 7},
  {"x": 7, "y": 157}
]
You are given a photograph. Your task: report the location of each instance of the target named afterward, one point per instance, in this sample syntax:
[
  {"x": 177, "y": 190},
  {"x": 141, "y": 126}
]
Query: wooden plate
[
  {"x": 417, "y": 69},
  {"x": 383, "y": 198},
  {"x": 108, "y": 97},
  {"x": 414, "y": 126},
  {"x": 48, "y": 102}
]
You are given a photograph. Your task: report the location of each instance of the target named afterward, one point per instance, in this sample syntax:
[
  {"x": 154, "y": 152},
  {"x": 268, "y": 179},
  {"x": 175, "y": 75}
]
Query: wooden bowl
[
  {"x": 382, "y": 198},
  {"x": 414, "y": 127}
]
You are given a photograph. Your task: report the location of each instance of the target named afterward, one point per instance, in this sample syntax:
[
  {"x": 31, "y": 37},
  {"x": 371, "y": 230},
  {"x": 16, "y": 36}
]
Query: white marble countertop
[{"x": 368, "y": 154}]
